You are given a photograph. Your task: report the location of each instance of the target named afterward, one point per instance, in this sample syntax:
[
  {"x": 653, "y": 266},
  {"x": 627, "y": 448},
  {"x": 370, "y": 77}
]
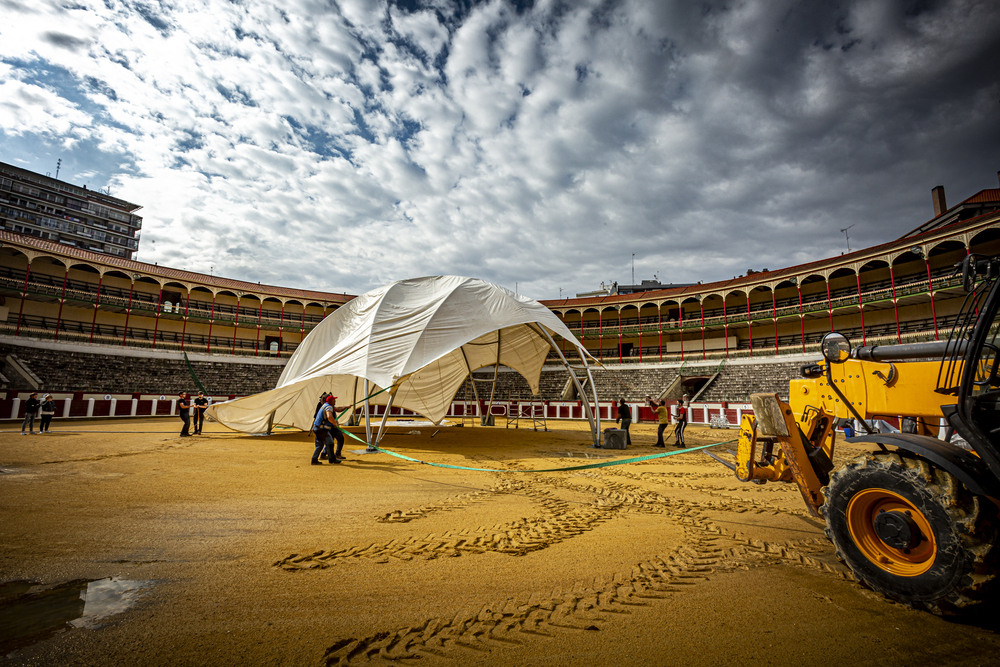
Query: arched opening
[{"x": 986, "y": 242}]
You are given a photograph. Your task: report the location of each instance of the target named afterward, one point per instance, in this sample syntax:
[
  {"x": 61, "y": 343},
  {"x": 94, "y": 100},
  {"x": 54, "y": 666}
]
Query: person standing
[
  {"x": 319, "y": 406},
  {"x": 322, "y": 400},
  {"x": 184, "y": 407},
  {"x": 30, "y": 412},
  {"x": 625, "y": 417},
  {"x": 326, "y": 429},
  {"x": 682, "y": 420},
  {"x": 200, "y": 405},
  {"x": 662, "y": 416},
  {"x": 335, "y": 432},
  {"x": 48, "y": 409}
]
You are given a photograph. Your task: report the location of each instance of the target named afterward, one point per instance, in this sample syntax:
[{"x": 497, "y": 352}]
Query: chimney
[{"x": 940, "y": 206}]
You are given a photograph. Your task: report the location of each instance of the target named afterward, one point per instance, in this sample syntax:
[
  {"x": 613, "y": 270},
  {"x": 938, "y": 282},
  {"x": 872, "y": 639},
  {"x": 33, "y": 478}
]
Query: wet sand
[{"x": 252, "y": 556}]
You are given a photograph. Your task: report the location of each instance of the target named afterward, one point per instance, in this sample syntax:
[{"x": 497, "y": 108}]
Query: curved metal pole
[
  {"x": 368, "y": 416},
  {"x": 385, "y": 418},
  {"x": 354, "y": 400},
  {"x": 496, "y": 373},
  {"x": 475, "y": 392},
  {"x": 594, "y": 431},
  {"x": 593, "y": 388}
]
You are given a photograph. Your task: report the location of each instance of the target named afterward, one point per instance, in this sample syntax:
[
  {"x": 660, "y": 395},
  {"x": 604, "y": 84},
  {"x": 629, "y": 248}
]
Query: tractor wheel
[{"x": 912, "y": 531}]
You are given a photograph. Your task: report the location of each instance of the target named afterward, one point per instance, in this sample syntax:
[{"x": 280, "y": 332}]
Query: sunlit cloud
[{"x": 342, "y": 146}]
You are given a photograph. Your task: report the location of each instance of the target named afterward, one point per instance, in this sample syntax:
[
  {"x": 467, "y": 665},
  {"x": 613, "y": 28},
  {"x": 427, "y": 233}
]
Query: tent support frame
[
  {"x": 368, "y": 417},
  {"x": 381, "y": 427},
  {"x": 354, "y": 398},
  {"x": 595, "y": 427},
  {"x": 475, "y": 392},
  {"x": 493, "y": 390}
]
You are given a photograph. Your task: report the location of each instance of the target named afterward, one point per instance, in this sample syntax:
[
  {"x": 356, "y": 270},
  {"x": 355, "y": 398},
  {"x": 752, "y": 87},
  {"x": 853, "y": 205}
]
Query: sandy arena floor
[{"x": 241, "y": 553}]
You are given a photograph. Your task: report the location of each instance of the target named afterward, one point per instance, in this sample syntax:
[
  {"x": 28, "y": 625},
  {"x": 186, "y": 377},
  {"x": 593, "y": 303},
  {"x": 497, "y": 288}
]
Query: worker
[
  {"x": 625, "y": 417},
  {"x": 327, "y": 429},
  {"x": 662, "y": 416},
  {"x": 682, "y": 420}
]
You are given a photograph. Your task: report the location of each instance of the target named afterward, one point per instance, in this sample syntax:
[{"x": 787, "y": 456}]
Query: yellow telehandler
[{"x": 917, "y": 517}]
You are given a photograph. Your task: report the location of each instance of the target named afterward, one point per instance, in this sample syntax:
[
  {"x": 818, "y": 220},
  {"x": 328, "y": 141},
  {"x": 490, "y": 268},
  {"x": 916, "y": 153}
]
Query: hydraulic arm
[{"x": 795, "y": 440}]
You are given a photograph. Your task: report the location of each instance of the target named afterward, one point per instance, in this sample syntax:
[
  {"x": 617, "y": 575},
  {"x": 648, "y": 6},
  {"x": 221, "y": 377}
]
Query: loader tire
[{"x": 913, "y": 532}]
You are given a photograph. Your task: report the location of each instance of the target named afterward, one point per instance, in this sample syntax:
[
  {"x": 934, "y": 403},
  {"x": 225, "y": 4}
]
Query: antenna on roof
[
  {"x": 58, "y": 165},
  {"x": 848, "y": 236}
]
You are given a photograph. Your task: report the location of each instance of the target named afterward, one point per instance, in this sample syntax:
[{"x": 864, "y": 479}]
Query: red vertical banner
[
  {"x": 97, "y": 303},
  {"x": 802, "y": 316},
  {"x": 128, "y": 312},
  {"x": 725, "y": 325},
  {"x": 62, "y": 300},
  {"x": 829, "y": 305},
  {"x": 236, "y": 324},
  {"x": 187, "y": 308},
  {"x": 930, "y": 289},
  {"x": 211, "y": 321},
  {"x": 774, "y": 316},
  {"x": 159, "y": 307},
  {"x": 861, "y": 310},
  {"x": 680, "y": 325},
  {"x": 895, "y": 305}
]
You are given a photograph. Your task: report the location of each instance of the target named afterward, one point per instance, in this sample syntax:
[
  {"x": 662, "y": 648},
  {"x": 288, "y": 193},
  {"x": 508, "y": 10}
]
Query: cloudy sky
[{"x": 340, "y": 145}]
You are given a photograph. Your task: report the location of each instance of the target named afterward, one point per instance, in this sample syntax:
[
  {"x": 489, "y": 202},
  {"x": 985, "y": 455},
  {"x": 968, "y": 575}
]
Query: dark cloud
[{"x": 65, "y": 41}]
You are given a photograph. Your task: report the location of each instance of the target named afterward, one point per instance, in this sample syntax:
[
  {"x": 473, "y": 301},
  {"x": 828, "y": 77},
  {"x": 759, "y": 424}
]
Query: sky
[{"x": 545, "y": 146}]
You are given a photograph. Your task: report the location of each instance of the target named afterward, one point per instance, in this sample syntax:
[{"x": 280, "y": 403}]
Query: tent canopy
[{"x": 421, "y": 338}]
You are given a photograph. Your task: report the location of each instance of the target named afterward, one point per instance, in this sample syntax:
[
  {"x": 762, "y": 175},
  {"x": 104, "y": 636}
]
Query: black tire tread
[{"x": 974, "y": 519}]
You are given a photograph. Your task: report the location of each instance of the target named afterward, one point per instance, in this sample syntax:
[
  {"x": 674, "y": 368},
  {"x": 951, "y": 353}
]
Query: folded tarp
[{"x": 420, "y": 337}]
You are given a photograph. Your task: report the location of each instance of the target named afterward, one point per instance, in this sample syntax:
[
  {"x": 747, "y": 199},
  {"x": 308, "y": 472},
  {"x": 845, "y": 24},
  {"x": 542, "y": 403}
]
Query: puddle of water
[{"x": 31, "y": 613}]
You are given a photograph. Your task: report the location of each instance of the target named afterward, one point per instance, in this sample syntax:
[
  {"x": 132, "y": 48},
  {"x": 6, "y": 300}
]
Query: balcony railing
[
  {"x": 593, "y": 329},
  {"x": 45, "y": 329},
  {"x": 140, "y": 302}
]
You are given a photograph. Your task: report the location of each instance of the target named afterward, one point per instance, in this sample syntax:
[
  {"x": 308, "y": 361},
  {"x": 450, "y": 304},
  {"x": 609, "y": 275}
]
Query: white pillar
[
  {"x": 111, "y": 411},
  {"x": 135, "y": 406},
  {"x": 66, "y": 406},
  {"x": 90, "y": 407},
  {"x": 15, "y": 406}
]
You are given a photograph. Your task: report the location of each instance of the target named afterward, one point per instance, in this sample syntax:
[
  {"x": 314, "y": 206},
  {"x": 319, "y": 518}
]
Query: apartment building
[{"x": 54, "y": 210}]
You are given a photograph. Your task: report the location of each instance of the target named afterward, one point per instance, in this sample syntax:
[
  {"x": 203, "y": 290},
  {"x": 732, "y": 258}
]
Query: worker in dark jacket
[
  {"x": 625, "y": 417},
  {"x": 184, "y": 407},
  {"x": 30, "y": 412}
]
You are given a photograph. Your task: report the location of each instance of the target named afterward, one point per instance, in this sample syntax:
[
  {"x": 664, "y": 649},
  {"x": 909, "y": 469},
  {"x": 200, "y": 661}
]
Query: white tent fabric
[{"x": 420, "y": 337}]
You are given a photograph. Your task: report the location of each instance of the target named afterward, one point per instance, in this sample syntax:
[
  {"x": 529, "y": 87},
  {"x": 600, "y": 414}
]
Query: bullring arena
[{"x": 124, "y": 544}]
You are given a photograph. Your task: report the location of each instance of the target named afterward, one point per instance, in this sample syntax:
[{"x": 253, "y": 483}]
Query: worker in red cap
[{"x": 327, "y": 429}]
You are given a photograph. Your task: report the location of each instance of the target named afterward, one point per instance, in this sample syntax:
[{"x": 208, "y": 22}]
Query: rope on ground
[{"x": 603, "y": 464}]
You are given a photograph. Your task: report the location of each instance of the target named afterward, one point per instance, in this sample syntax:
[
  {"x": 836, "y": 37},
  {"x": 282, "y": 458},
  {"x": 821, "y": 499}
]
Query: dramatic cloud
[{"x": 343, "y": 146}]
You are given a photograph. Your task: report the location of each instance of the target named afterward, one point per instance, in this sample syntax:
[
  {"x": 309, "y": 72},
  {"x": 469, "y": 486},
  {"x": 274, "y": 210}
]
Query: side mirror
[
  {"x": 974, "y": 266},
  {"x": 969, "y": 272},
  {"x": 836, "y": 348}
]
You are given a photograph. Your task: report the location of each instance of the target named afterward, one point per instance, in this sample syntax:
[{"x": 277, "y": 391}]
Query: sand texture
[{"x": 250, "y": 556}]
